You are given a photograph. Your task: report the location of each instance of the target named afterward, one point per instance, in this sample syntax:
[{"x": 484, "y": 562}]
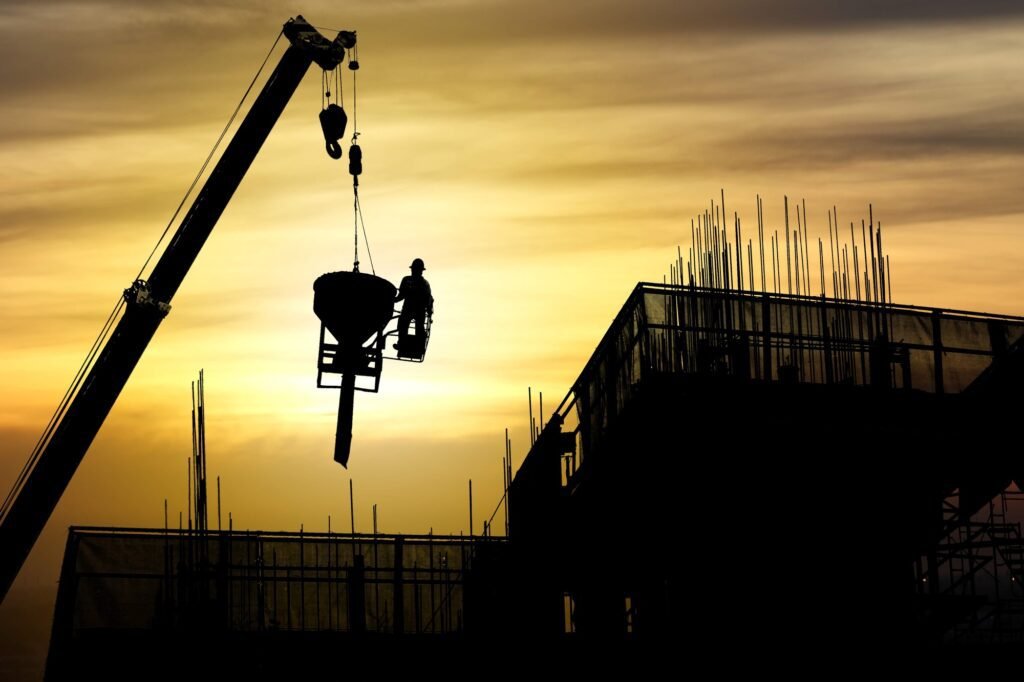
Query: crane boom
[{"x": 148, "y": 302}]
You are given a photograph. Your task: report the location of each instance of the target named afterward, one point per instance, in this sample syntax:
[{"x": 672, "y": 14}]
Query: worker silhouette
[{"x": 419, "y": 304}]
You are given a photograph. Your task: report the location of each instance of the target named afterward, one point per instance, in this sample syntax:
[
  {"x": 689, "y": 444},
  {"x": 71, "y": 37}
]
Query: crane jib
[{"x": 72, "y": 435}]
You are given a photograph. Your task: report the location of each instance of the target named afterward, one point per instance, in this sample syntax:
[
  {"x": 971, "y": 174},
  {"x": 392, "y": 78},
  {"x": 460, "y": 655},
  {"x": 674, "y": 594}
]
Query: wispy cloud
[{"x": 541, "y": 156}]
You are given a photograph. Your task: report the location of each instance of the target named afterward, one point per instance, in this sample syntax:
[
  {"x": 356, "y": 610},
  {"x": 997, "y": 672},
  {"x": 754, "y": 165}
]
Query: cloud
[{"x": 543, "y": 157}]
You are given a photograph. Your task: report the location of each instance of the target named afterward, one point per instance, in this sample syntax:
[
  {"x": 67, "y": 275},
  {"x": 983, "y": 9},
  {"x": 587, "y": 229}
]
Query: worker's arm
[{"x": 403, "y": 289}]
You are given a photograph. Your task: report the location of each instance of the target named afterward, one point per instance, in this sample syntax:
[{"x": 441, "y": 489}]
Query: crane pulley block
[
  {"x": 139, "y": 294},
  {"x": 326, "y": 53},
  {"x": 355, "y": 160}
]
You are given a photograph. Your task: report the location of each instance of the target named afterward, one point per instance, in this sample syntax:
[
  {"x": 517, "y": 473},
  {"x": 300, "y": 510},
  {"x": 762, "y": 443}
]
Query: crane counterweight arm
[{"x": 149, "y": 302}]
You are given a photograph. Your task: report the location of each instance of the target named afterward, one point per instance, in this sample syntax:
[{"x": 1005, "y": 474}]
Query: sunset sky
[{"x": 541, "y": 157}]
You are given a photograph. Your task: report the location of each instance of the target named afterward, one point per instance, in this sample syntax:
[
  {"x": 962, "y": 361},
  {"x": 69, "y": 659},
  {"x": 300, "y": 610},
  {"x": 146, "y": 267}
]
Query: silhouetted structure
[
  {"x": 254, "y": 601},
  {"x": 779, "y": 470}
]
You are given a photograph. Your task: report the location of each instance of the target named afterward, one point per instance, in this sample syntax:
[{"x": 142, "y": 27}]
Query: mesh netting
[
  {"x": 259, "y": 581},
  {"x": 666, "y": 329}
]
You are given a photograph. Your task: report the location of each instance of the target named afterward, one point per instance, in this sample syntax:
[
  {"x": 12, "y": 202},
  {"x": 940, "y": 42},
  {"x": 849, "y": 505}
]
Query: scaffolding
[{"x": 970, "y": 583}]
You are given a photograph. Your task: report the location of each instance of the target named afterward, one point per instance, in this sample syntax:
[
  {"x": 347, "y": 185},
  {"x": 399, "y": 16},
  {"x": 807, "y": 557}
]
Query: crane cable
[
  {"x": 213, "y": 151},
  {"x": 97, "y": 344},
  {"x": 366, "y": 242},
  {"x": 356, "y": 167},
  {"x": 325, "y": 90}
]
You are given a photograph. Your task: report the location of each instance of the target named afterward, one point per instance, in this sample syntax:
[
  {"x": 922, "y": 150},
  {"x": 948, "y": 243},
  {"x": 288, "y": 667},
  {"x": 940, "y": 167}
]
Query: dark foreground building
[{"x": 730, "y": 467}]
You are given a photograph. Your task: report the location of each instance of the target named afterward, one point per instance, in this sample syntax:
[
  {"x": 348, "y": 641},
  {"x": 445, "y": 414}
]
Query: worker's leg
[{"x": 403, "y": 327}]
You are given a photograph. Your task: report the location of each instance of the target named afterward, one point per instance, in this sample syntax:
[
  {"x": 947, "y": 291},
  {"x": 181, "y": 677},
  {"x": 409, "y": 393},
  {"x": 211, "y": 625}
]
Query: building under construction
[{"x": 730, "y": 466}]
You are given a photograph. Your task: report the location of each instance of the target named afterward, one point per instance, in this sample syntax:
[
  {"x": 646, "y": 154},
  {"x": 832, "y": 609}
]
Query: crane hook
[{"x": 333, "y": 120}]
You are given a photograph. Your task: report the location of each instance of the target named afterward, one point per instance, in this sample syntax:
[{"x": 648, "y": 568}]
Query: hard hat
[{"x": 418, "y": 263}]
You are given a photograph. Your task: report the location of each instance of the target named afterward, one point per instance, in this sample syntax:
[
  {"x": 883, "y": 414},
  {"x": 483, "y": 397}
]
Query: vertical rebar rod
[
  {"x": 864, "y": 252},
  {"x": 881, "y": 265},
  {"x": 679, "y": 262},
  {"x": 302, "y": 576},
  {"x": 508, "y": 478},
  {"x": 376, "y": 573},
  {"x": 750, "y": 264},
  {"x": 719, "y": 246},
  {"x": 699, "y": 254},
  {"x": 529, "y": 398},
  {"x": 821, "y": 267},
  {"x": 716, "y": 279},
  {"x": 856, "y": 263},
  {"x": 195, "y": 453},
  {"x": 197, "y": 464},
  {"x": 846, "y": 273},
  {"x": 888, "y": 277},
  {"x": 778, "y": 257},
  {"x": 316, "y": 593},
  {"x": 789, "y": 271},
  {"x": 760, "y": 242},
  {"x": 739, "y": 253},
  {"x": 188, "y": 474},
  {"x": 797, "y": 266},
  {"x": 724, "y": 214},
  {"x": 693, "y": 238},
  {"x": 807, "y": 257},
  {"x": 874, "y": 262},
  {"x": 775, "y": 285},
  {"x": 351, "y": 507},
  {"x": 330, "y": 578},
  {"x": 798, "y": 254},
  {"x": 206, "y": 511},
  {"x": 832, "y": 255},
  {"x": 856, "y": 271}
]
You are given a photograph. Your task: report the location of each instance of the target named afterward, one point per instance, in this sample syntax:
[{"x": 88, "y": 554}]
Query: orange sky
[{"x": 540, "y": 157}]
